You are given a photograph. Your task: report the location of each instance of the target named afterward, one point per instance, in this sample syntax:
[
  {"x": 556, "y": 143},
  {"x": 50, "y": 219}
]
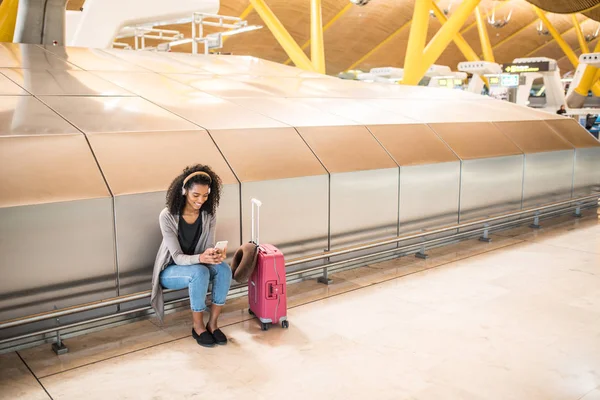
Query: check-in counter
[
  {"x": 491, "y": 168},
  {"x": 56, "y": 226},
  {"x": 587, "y": 155},
  {"x": 363, "y": 184},
  {"x": 548, "y": 172}
]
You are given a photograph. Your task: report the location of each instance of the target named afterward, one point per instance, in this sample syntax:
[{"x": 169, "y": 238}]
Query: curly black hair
[{"x": 176, "y": 200}]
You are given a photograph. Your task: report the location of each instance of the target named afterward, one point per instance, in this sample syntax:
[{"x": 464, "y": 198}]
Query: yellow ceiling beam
[
  {"x": 417, "y": 39},
  {"x": 416, "y": 65},
  {"x": 559, "y": 39},
  {"x": 317, "y": 49},
  {"x": 327, "y": 26},
  {"x": 552, "y": 41},
  {"x": 282, "y": 36},
  {"x": 486, "y": 46},
  {"x": 582, "y": 43}
]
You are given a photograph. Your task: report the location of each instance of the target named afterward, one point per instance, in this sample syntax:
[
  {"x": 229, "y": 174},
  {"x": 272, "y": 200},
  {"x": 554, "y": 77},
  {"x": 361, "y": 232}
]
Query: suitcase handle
[{"x": 255, "y": 218}]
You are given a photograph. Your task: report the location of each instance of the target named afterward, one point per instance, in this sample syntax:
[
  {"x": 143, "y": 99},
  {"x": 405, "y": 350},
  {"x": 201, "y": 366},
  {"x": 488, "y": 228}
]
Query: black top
[{"x": 189, "y": 234}]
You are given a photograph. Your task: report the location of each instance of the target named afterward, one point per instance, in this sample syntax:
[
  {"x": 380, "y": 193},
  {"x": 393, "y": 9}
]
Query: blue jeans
[{"x": 196, "y": 277}]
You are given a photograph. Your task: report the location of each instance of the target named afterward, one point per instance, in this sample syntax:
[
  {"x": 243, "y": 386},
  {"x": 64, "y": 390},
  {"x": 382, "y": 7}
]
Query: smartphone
[{"x": 221, "y": 245}]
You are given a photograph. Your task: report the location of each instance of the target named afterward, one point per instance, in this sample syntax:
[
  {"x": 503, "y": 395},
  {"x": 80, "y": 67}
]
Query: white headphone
[{"x": 190, "y": 176}]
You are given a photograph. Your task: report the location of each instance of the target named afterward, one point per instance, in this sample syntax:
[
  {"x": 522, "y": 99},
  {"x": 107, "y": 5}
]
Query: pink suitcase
[{"x": 267, "y": 285}]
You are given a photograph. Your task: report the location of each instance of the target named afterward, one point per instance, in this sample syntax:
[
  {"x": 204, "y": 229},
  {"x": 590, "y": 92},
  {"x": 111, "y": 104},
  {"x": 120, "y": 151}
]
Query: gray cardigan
[{"x": 169, "y": 225}]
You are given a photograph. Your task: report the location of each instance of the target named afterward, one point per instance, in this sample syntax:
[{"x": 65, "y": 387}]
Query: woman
[{"x": 187, "y": 257}]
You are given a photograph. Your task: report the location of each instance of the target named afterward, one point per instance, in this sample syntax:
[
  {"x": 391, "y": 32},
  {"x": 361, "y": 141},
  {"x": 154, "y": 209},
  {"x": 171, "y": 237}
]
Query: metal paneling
[
  {"x": 548, "y": 177},
  {"x": 490, "y": 186},
  {"x": 139, "y": 236},
  {"x": 587, "y": 171},
  {"x": 429, "y": 196},
  {"x": 364, "y": 206},
  {"x": 293, "y": 216},
  {"x": 68, "y": 83},
  {"x": 115, "y": 114},
  {"x": 9, "y": 88},
  {"x": 26, "y": 115},
  {"x": 20, "y": 55},
  {"x": 58, "y": 254},
  {"x": 92, "y": 59}
]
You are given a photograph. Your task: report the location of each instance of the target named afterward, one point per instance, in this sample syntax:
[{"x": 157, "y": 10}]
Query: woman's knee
[
  {"x": 199, "y": 273},
  {"x": 223, "y": 270}
]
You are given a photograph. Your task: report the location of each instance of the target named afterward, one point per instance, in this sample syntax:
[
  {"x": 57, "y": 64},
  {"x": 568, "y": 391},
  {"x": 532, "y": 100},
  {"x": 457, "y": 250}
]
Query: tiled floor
[{"x": 518, "y": 318}]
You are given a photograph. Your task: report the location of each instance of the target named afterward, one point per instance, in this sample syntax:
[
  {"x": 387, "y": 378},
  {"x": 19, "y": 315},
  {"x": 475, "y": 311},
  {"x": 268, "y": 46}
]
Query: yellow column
[
  {"x": 486, "y": 46},
  {"x": 8, "y": 19},
  {"x": 596, "y": 85},
  {"x": 459, "y": 40},
  {"x": 440, "y": 41},
  {"x": 331, "y": 22},
  {"x": 282, "y": 35},
  {"x": 559, "y": 39},
  {"x": 582, "y": 43},
  {"x": 416, "y": 43},
  {"x": 317, "y": 49}
]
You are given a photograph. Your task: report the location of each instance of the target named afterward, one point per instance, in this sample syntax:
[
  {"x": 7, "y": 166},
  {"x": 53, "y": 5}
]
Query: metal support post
[
  {"x": 577, "y": 213},
  {"x": 485, "y": 238},
  {"x": 559, "y": 39},
  {"x": 486, "y": 46},
  {"x": 421, "y": 254},
  {"x": 282, "y": 36},
  {"x": 536, "y": 221},
  {"x": 59, "y": 347},
  {"x": 325, "y": 278},
  {"x": 317, "y": 48}
]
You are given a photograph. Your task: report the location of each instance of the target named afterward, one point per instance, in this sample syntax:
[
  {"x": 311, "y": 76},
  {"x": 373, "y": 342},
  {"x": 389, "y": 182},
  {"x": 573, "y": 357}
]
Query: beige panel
[
  {"x": 48, "y": 169},
  {"x": 26, "y": 115},
  {"x": 412, "y": 144},
  {"x": 63, "y": 82},
  {"x": 223, "y": 87},
  {"x": 8, "y": 87},
  {"x": 292, "y": 112},
  {"x": 475, "y": 140},
  {"x": 267, "y": 154},
  {"x": 154, "y": 87},
  {"x": 115, "y": 114},
  {"x": 574, "y": 133},
  {"x": 346, "y": 148},
  {"x": 92, "y": 59},
  {"x": 533, "y": 136},
  {"x": 139, "y": 162},
  {"x": 19, "y": 55},
  {"x": 154, "y": 62},
  {"x": 363, "y": 111}
]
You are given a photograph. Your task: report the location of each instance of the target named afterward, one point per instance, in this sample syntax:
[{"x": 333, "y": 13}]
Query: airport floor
[{"x": 517, "y": 318}]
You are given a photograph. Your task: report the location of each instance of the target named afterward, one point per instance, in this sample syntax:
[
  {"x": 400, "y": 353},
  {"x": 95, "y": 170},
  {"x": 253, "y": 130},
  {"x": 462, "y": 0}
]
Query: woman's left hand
[{"x": 221, "y": 254}]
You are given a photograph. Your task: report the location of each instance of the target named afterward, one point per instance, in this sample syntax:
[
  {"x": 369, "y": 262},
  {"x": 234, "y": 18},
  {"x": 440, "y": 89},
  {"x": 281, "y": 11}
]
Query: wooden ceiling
[{"x": 353, "y": 40}]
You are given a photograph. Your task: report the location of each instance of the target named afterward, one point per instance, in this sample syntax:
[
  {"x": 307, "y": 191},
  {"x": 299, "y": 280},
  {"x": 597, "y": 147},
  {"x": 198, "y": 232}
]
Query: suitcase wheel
[
  {"x": 264, "y": 326},
  {"x": 250, "y": 312},
  {"x": 285, "y": 324}
]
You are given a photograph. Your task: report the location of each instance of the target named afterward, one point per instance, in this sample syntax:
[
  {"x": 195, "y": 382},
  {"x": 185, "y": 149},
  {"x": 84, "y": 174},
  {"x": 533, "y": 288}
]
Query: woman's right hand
[{"x": 210, "y": 256}]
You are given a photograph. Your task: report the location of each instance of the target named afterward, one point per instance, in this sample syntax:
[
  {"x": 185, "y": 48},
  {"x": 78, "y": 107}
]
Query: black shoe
[
  {"x": 218, "y": 336},
  {"x": 204, "y": 339}
]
